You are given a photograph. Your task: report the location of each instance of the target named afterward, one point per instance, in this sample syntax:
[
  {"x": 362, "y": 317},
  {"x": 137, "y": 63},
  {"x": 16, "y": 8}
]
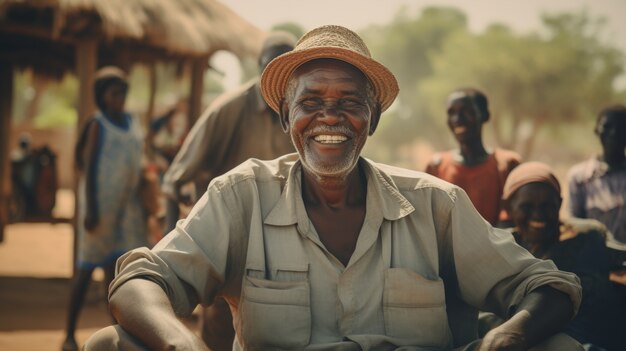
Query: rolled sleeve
[
  {"x": 493, "y": 272},
  {"x": 189, "y": 263}
]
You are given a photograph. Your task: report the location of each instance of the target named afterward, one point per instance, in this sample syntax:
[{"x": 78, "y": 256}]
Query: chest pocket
[
  {"x": 276, "y": 314},
  {"x": 414, "y": 309}
]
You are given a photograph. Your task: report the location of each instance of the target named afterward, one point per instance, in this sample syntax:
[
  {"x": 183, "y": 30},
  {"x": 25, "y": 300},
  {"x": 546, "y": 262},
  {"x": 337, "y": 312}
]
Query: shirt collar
[{"x": 386, "y": 197}]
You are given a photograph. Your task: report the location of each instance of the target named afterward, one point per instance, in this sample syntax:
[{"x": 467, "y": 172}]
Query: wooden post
[
  {"x": 198, "y": 68},
  {"x": 6, "y": 99},
  {"x": 147, "y": 118},
  {"x": 86, "y": 64}
]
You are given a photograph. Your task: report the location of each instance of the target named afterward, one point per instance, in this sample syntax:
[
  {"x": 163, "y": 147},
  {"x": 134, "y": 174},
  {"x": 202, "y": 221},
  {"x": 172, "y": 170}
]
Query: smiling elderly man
[{"x": 325, "y": 250}]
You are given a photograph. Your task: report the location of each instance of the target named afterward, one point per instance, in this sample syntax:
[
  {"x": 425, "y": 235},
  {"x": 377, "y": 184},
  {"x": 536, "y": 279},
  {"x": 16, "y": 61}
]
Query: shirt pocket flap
[
  {"x": 405, "y": 288},
  {"x": 277, "y": 292},
  {"x": 291, "y": 272}
]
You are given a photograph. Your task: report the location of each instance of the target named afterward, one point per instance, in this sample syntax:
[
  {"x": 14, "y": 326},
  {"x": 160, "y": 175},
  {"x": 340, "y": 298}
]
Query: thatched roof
[{"x": 145, "y": 28}]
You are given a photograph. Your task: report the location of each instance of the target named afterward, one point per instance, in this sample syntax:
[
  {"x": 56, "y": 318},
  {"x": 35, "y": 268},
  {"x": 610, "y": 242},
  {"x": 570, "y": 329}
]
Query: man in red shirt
[{"x": 481, "y": 173}]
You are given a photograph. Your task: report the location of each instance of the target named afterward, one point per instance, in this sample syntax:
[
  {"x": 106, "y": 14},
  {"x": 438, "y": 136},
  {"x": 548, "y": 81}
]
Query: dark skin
[
  {"x": 114, "y": 98},
  {"x": 611, "y": 130},
  {"x": 465, "y": 121},
  {"x": 534, "y": 209},
  {"x": 329, "y": 118}
]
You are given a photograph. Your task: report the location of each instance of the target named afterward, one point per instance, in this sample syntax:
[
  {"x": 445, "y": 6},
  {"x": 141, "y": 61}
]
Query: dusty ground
[{"x": 35, "y": 273}]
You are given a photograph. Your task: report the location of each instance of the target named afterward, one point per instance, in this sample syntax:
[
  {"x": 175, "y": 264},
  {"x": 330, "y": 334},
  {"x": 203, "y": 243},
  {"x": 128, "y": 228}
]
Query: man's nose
[
  {"x": 537, "y": 214},
  {"x": 330, "y": 115}
]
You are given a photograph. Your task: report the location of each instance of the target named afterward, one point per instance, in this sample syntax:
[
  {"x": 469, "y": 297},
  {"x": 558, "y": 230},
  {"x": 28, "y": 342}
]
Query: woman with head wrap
[
  {"x": 532, "y": 195},
  {"x": 110, "y": 217}
]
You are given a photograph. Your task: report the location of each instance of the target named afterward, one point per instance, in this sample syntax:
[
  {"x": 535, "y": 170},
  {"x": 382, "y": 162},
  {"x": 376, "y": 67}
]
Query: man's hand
[
  {"x": 503, "y": 338},
  {"x": 541, "y": 314},
  {"x": 618, "y": 277}
]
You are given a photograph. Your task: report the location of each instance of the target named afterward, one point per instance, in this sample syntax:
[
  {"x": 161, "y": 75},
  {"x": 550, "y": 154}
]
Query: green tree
[
  {"x": 532, "y": 80},
  {"x": 291, "y": 27},
  {"x": 405, "y": 46}
]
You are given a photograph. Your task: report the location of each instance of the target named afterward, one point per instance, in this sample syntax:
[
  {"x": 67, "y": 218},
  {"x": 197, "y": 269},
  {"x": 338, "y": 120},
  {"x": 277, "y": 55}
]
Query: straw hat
[{"x": 333, "y": 42}]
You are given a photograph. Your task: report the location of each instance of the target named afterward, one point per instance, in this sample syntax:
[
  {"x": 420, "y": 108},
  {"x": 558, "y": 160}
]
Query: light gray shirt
[
  {"x": 424, "y": 262},
  {"x": 599, "y": 193}
]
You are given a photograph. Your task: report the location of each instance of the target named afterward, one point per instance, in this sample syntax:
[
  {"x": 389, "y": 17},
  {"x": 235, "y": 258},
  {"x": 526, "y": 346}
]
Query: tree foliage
[
  {"x": 291, "y": 27},
  {"x": 405, "y": 46},
  {"x": 561, "y": 74}
]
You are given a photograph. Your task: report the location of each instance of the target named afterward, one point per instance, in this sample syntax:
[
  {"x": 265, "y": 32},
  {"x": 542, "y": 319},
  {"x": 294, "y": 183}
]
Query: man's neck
[
  {"x": 335, "y": 192},
  {"x": 472, "y": 153}
]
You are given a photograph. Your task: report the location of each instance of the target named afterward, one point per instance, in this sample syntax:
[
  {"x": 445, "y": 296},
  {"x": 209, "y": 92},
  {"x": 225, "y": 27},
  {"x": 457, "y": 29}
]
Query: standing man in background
[
  {"x": 597, "y": 187},
  {"x": 237, "y": 126},
  {"x": 479, "y": 172}
]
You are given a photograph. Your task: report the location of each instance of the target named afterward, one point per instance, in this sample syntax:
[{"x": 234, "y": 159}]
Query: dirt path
[{"x": 35, "y": 272}]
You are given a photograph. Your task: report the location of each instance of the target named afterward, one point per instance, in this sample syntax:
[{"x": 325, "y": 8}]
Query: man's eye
[
  {"x": 310, "y": 103},
  {"x": 350, "y": 103}
]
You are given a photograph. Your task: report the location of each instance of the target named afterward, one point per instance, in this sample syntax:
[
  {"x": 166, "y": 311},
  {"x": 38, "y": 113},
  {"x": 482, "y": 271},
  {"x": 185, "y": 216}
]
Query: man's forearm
[
  {"x": 542, "y": 313},
  {"x": 142, "y": 308}
]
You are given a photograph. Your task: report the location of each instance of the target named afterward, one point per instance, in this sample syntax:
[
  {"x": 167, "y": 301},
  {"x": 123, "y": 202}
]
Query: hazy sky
[
  {"x": 521, "y": 16},
  {"x": 357, "y": 14}
]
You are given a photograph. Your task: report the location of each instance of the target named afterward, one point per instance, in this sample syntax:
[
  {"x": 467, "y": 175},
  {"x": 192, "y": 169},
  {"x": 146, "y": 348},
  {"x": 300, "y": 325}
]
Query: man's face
[
  {"x": 328, "y": 115},
  {"x": 464, "y": 119},
  {"x": 612, "y": 133},
  {"x": 534, "y": 209}
]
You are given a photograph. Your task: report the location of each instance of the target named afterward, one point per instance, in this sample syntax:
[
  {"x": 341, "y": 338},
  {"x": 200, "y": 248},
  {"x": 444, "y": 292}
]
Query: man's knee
[{"x": 112, "y": 338}]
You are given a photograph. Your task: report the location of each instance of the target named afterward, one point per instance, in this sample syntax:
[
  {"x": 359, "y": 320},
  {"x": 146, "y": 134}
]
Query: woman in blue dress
[{"x": 110, "y": 218}]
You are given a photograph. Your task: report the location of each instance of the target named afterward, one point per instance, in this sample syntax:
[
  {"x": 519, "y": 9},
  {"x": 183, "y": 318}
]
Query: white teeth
[
  {"x": 330, "y": 139},
  {"x": 536, "y": 224}
]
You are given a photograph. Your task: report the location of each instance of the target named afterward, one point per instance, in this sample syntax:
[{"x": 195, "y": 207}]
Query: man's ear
[
  {"x": 374, "y": 119},
  {"x": 284, "y": 116}
]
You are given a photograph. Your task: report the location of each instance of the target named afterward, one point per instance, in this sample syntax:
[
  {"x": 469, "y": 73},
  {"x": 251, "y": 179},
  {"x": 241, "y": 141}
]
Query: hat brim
[{"x": 276, "y": 74}]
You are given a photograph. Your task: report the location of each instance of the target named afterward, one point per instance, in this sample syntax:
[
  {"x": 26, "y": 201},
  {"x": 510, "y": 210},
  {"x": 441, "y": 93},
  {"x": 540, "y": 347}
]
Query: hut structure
[{"x": 54, "y": 37}]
